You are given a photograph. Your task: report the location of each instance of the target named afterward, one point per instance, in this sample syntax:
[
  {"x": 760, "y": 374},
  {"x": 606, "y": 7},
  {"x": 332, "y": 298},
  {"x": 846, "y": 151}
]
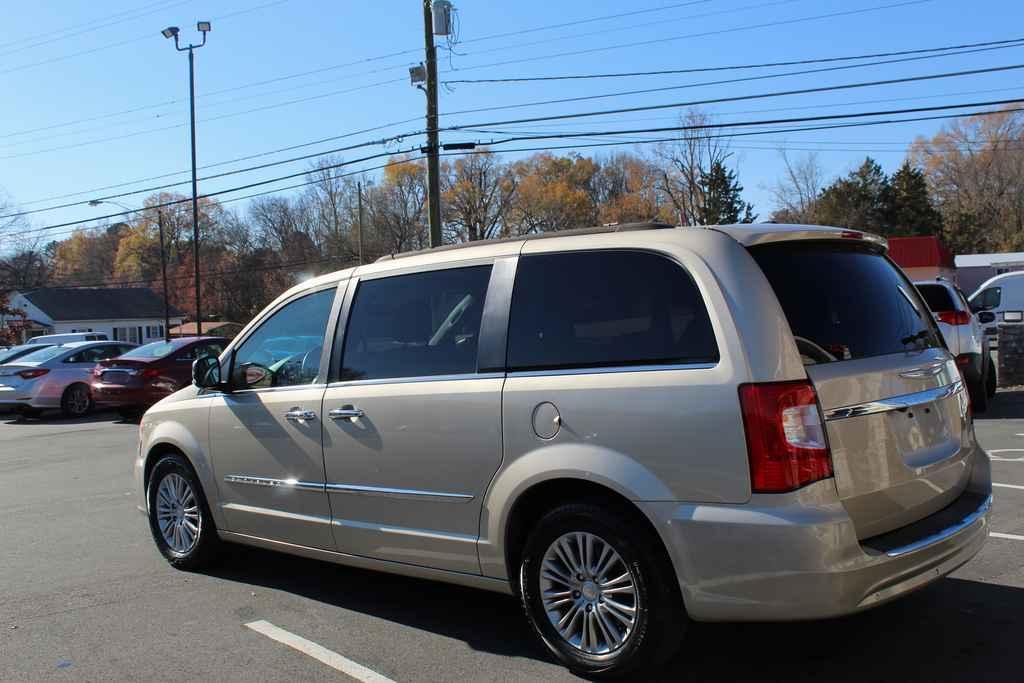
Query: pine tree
[
  {"x": 723, "y": 200},
  {"x": 858, "y": 200},
  {"x": 908, "y": 206}
]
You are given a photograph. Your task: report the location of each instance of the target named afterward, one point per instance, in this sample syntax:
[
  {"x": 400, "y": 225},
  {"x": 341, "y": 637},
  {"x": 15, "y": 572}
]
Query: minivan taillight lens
[
  {"x": 954, "y": 317},
  {"x": 785, "y": 436},
  {"x": 32, "y": 374}
]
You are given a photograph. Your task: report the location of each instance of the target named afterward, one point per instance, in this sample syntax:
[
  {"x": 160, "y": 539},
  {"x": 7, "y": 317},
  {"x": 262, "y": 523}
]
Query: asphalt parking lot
[{"x": 85, "y": 596}]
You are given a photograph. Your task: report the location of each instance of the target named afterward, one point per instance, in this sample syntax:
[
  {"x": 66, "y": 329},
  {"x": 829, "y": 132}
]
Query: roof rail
[{"x": 597, "y": 230}]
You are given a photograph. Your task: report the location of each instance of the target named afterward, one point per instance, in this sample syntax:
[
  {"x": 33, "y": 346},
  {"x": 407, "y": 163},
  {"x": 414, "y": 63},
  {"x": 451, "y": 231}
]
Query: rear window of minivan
[
  {"x": 937, "y": 297},
  {"x": 845, "y": 302}
]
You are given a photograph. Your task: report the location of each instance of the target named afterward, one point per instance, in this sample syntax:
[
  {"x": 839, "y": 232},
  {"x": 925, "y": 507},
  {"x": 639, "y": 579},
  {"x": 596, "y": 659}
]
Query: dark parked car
[{"x": 138, "y": 379}]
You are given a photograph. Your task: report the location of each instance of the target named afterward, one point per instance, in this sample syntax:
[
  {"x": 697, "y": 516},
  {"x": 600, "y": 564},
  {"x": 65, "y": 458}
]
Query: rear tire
[
  {"x": 636, "y": 594},
  {"x": 76, "y": 401},
  {"x": 179, "y": 517},
  {"x": 992, "y": 380}
]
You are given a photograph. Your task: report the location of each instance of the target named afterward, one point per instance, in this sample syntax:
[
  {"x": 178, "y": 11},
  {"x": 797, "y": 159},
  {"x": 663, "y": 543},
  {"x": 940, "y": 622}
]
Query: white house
[{"x": 133, "y": 314}]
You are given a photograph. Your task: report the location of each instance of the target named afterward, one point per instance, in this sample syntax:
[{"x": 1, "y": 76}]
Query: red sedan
[{"x": 144, "y": 375}]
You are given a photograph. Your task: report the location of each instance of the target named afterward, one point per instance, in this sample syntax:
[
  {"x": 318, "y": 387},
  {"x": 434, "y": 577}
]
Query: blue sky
[{"x": 113, "y": 73}]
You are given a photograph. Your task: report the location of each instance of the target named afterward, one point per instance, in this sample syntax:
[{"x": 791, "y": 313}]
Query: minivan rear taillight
[
  {"x": 954, "y": 317},
  {"x": 785, "y": 436}
]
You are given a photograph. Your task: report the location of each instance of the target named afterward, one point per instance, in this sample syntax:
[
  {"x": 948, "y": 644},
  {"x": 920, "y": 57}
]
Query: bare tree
[
  {"x": 477, "y": 191},
  {"x": 797, "y": 192},
  {"x": 688, "y": 161}
]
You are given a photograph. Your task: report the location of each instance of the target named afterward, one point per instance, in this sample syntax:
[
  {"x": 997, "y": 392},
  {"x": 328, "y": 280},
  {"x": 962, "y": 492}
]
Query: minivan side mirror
[{"x": 206, "y": 372}]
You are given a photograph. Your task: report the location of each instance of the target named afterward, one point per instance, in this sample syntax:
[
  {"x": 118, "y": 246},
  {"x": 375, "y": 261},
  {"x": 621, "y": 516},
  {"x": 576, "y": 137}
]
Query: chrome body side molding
[
  {"x": 438, "y": 496},
  {"x": 275, "y": 483},
  {"x": 297, "y": 485},
  {"x": 895, "y": 403}
]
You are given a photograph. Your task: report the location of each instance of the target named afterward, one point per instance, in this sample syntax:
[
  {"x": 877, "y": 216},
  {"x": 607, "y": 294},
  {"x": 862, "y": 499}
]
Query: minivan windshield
[{"x": 845, "y": 302}]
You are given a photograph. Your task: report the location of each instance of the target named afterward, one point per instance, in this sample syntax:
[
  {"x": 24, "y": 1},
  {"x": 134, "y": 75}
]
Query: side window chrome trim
[
  {"x": 267, "y": 390},
  {"x": 612, "y": 369},
  {"x": 409, "y": 380}
]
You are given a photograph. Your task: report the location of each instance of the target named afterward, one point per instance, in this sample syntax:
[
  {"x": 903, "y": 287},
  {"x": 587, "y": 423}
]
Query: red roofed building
[{"x": 922, "y": 258}]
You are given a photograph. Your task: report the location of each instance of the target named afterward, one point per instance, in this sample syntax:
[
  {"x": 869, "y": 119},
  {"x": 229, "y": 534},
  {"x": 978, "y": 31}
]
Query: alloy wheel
[
  {"x": 177, "y": 513},
  {"x": 589, "y": 593},
  {"x": 78, "y": 400}
]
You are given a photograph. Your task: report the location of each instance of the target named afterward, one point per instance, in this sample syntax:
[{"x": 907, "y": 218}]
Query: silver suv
[{"x": 627, "y": 427}]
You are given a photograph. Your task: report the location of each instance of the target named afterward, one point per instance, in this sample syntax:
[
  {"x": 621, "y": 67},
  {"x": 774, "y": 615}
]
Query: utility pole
[
  {"x": 163, "y": 272},
  {"x": 433, "y": 147},
  {"x": 359, "y": 190},
  {"x": 172, "y": 32}
]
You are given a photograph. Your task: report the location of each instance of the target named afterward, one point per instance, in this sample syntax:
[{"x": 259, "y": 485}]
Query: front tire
[
  {"x": 179, "y": 517},
  {"x": 992, "y": 380},
  {"x": 599, "y": 591},
  {"x": 76, "y": 401}
]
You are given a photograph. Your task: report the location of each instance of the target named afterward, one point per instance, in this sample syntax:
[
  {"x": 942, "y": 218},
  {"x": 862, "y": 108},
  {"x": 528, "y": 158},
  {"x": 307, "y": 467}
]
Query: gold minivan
[{"x": 628, "y": 427}]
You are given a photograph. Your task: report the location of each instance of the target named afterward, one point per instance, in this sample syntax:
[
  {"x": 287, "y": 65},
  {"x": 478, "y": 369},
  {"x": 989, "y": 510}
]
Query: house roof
[
  {"x": 918, "y": 252},
  {"x": 975, "y": 260},
  {"x": 127, "y": 303}
]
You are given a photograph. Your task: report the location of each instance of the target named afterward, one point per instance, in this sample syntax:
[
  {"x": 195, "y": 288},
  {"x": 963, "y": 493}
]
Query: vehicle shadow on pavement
[
  {"x": 16, "y": 419},
  {"x": 955, "y": 629},
  {"x": 1007, "y": 405}
]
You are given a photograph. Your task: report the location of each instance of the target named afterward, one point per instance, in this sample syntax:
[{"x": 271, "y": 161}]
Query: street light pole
[
  {"x": 163, "y": 257},
  {"x": 172, "y": 32}
]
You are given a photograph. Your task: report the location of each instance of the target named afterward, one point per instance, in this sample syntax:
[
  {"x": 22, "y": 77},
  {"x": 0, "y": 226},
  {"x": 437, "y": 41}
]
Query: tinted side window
[
  {"x": 606, "y": 308},
  {"x": 285, "y": 349},
  {"x": 416, "y": 325},
  {"x": 990, "y": 298},
  {"x": 845, "y": 301}
]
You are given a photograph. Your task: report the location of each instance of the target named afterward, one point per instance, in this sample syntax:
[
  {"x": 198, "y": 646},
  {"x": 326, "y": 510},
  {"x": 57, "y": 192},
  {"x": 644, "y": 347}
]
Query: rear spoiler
[{"x": 750, "y": 235}]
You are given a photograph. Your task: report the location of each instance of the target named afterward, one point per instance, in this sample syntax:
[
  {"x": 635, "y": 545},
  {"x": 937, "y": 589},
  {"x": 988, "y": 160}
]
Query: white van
[
  {"x": 999, "y": 300},
  {"x": 67, "y": 338}
]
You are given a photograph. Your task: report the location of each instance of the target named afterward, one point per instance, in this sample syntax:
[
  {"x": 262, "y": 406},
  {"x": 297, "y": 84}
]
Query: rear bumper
[
  {"x": 119, "y": 395},
  {"x": 797, "y": 556}
]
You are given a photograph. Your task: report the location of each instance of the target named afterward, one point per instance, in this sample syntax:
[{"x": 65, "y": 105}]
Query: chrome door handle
[
  {"x": 299, "y": 415},
  {"x": 345, "y": 413}
]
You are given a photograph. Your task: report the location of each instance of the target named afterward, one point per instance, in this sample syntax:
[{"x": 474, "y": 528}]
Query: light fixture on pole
[
  {"x": 163, "y": 256},
  {"x": 172, "y": 32}
]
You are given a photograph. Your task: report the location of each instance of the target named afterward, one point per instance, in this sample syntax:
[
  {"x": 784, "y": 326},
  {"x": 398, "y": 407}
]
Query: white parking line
[
  {"x": 1009, "y": 537},
  {"x": 318, "y": 652},
  {"x": 1008, "y": 486}
]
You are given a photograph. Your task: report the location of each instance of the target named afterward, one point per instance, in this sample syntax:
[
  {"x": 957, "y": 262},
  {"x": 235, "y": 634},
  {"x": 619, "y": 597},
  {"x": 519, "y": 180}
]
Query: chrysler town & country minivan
[{"x": 627, "y": 427}]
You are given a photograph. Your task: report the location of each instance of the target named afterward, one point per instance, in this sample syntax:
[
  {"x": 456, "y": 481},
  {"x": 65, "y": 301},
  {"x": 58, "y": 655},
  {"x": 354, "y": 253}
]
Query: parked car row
[{"x": 76, "y": 376}]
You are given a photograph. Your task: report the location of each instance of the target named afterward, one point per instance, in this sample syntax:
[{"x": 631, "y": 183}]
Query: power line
[
  {"x": 735, "y": 98},
  {"x": 182, "y": 125},
  {"x": 1014, "y": 42},
  {"x": 703, "y": 34},
  {"x": 83, "y": 31},
  {"x": 567, "y": 116},
  {"x": 715, "y": 126},
  {"x": 647, "y": 91},
  {"x": 214, "y": 176},
  {"x": 583, "y": 21},
  {"x": 129, "y": 41},
  {"x": 73, "y": 27},
  {"x": 617, "y": 29}
]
